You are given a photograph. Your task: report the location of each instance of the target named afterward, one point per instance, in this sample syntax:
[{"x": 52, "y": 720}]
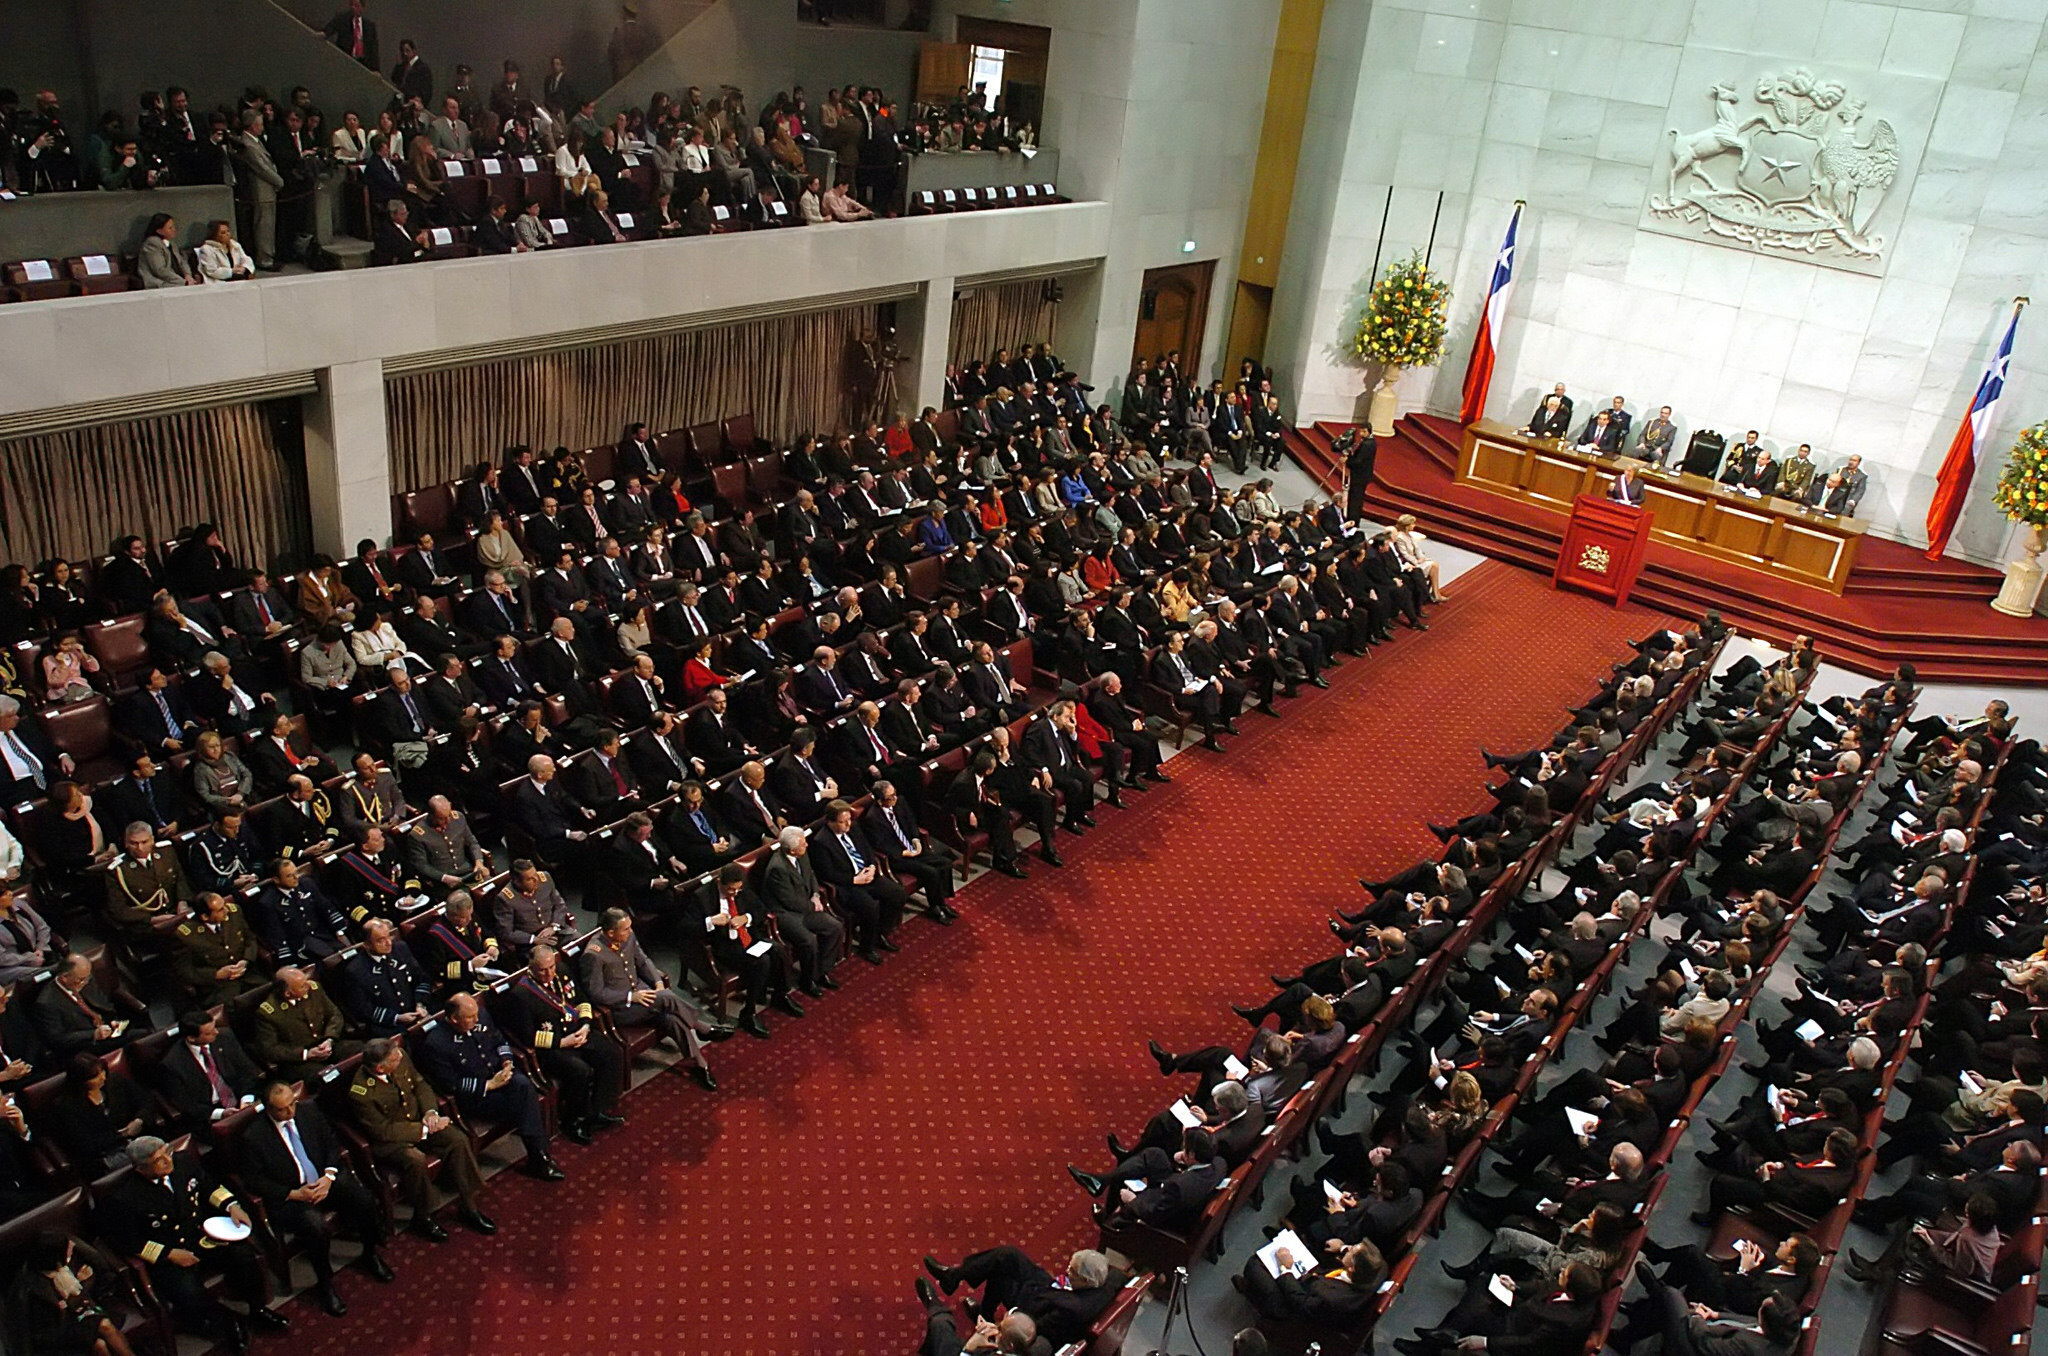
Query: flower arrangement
[
  {"x": 1405, "y": 317},
  {"x": 2022, "y": 492}
]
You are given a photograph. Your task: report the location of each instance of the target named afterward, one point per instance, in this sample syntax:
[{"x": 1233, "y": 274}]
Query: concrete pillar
[
  {"x": 924, "y": 335},
  {"x": 348, "y": 458}
]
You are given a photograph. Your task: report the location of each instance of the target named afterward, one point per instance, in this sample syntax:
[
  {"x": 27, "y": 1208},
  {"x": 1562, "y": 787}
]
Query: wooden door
[
  {"x": 942, "y": 68},
  {"x": 1173, "y": 307}
]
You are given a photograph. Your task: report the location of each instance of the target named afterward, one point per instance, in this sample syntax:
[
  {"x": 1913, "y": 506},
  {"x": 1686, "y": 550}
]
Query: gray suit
[
  {"x": 260, "y": 173},
  {"x": 161, "y": 264},
  {"x": 520, "y": 917},
  {"x": 451, "y": 850},
  {"x": 610, "y": 975},
  {"x": 449, "y": 137},
  {"x": 816, "y": 938}
]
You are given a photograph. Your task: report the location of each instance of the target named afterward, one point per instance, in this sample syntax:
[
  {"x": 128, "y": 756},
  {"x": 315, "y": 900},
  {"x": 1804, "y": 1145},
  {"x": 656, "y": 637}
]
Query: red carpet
[{"x": 931, "y": 1105}]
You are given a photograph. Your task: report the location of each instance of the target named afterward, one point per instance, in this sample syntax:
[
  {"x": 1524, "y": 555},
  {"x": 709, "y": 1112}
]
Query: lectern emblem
[
  {"x": 1796, "y": 169},
  {"x": 1594, "y": 559}
]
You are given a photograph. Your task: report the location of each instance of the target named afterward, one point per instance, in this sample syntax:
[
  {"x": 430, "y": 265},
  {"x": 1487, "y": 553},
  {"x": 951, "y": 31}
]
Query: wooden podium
[{"x": 1602, "y": 551}]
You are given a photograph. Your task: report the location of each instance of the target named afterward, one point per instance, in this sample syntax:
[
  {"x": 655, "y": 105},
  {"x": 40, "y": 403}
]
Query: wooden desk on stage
[{"x": 1780, "y": 537}]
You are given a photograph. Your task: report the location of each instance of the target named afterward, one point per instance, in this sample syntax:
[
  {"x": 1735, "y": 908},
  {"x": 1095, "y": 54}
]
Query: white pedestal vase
[{"x": 2023, "y": 576}]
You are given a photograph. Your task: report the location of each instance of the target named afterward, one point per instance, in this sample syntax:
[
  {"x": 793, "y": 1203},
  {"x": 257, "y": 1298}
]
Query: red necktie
[
  {"x": 746, "y": 939},
  {"x": 223, "y": 1095},
  {"x": 618, "y": 778},
  {"x": 356, "y": 47}
]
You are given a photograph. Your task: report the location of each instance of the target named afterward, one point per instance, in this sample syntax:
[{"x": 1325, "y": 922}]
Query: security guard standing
[
  {"x": 468, "y": 1054},
  {"x": 299, "y": 1033},
  {"x": 215, "y": 957},
  {"x": 400, "y": 1113},
  {"x": 543, "y": 1012}
]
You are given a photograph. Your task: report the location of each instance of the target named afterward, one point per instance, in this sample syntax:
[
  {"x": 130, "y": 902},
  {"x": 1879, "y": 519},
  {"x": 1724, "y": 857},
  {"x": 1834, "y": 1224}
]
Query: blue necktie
[
  {"x": 703, "y": 824},
  {"x": 852, "y": 852},
  {"x": 307, "y": 1172}
]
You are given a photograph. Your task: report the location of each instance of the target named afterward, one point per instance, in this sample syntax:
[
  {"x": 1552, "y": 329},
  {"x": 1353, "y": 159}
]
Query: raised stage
[{"x": 1897, "y": 604}]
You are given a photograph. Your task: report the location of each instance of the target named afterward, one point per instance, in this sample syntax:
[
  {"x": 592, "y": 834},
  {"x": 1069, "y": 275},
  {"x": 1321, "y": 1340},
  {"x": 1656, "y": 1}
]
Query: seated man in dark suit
[
  {"x": 1175, "y": 1188},
  {"x": 891, "y": 825},
  {"x": 1549, "y": 1318},
  {"x": 292, "y": 1161},
  {"x": 1009, "y": 1279},
  {"x": 1339, "y": 1300},
  {"x": 206, "y": 1074},
  {"x": 738, "y": 933},
  {"x": 155, "y": 716},
  {"x": 871, "y": 898},
  {"x": 549, "y": 815}
]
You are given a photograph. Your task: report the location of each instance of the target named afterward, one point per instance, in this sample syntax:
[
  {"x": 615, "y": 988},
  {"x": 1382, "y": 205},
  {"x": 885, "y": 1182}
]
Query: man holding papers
[
  {"x": 1064, "y": 1308},
  {"x": 1166, "y": 1191},
  {"x": 1282, "y": 1283}
]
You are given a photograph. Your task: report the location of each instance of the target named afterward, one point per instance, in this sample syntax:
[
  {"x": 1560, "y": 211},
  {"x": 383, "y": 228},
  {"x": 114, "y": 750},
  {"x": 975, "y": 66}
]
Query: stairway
[{"x": 1899, "y": 606}]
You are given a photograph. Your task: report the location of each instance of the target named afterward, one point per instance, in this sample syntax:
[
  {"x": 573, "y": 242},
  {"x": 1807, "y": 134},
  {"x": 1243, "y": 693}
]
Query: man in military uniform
[
  {"x": 383, "y": 987},
  {"x": 299, "y": 1033},
  {"x": 1795, "y": 475},
  {"x": 302, "y": 822},
  {"x": 296, "y": 919},
  {"x": 544, "y": 1013},
  {"x": 444, "y": 851},
  {"x": 530, "y": 910},
  {"x": 371, "y": 882},
  {"x": 371, "y": 796},
  {"x": 146, "y": 891},
  {"x": 619, "y": 977},
  {"x": 158, "y": 1213},
  {"x": 400, "y": 1113},
  {"x": 454, "y": 952},
  {"x": 468, "y": 1054},
  {"x": 291, "y": 1159},
  {"x": 225, "y": 857},
  {"x": 215, "y": 957}
]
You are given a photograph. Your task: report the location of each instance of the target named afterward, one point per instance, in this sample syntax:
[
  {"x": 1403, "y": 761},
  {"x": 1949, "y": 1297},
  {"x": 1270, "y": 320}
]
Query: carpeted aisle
[{"x": 931, "y": 1104}]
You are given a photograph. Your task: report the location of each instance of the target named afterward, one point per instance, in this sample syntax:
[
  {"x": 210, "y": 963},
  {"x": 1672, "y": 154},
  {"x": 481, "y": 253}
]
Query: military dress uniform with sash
[
  {"x": 453, "y": 957},
  {"x": 540, "y": 1015},
  {"x": 382, "y": 987},
  {"x": 372, "y": 887}
]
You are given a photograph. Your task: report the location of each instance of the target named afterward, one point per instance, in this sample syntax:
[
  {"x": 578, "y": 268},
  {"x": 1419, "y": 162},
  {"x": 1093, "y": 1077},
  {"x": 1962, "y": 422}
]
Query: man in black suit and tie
[
  {"x": 638, "y": 695},
  {"x": 206, "y": 1074},
  {"x": 355, "y": 35},
  {"x": 1601, "y": 435},
  {"x": 1553, "y": 417},
  {"x": 493, "y": 610},
  {"x": 414, "y": 78},
  {"x": 504, "y": 676},
  {"x": 1051, "y": 747},
  {"x": 560, "y": 669},
  {"x": 292, "y": 1161},
  {"x": 543, "y": 809},
  {"x": 736, "y": 926},
  {"x": 399, "y": 717},
  {"x": 155, "y": 716},
  {"x": 990, "y": 686},
  {"x": 711, "y": 736},
  {"x": 816, "y": 939},
  {"x": 871, "y": 898},
  {"x": 747, "y": 805},
  {"x": 819, "y": 687},
  {"x": 1201, "y": 698},
  {"x": 891, "y": 825},
  {"x": 425, "y": 571}
]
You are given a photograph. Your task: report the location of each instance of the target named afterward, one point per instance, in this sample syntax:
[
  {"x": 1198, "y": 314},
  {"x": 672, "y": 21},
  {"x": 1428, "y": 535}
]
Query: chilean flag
[
  {"x": 1486, "y": 343},
  {"x": 1957, "y": 469}
]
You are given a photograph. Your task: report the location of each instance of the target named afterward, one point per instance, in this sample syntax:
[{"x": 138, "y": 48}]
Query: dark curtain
[
  {"x": 1005, "y": 315},
  {"x": 790, "y": 372},
  {"x": 241, "y": 467}
]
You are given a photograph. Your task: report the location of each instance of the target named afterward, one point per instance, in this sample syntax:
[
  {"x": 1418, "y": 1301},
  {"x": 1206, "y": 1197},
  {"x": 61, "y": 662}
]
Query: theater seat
[
  {"x": 120, "y": 648},
  {"x": 85, "y": 730},
  {"x": 97, "y": 275},
  {"x": 37, "y": 280},
  {"x": 429, "y": 510}
]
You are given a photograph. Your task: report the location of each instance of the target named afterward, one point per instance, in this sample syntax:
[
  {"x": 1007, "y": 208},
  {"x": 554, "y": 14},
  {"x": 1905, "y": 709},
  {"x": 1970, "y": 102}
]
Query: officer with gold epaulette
[
  {"x": 215, "y": 956},
  {"x": 400, "y": 1113},
  {"x": 159, "y": 1212},
  {"x": 542, "y": 1011},
  {"x": 146, "y": 891},
  {"x": 299, "y": 1033}
]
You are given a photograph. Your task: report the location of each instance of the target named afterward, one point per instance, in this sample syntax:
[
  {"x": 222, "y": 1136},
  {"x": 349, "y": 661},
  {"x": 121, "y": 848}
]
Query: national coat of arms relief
[{"x": 1795, "y": 166}]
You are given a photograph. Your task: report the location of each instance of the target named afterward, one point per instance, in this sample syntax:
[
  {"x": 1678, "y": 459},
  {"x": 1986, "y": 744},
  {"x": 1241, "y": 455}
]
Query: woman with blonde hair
[
  {"x": 497, "y": 549},
  {"x": 1408, "y": 548}
]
